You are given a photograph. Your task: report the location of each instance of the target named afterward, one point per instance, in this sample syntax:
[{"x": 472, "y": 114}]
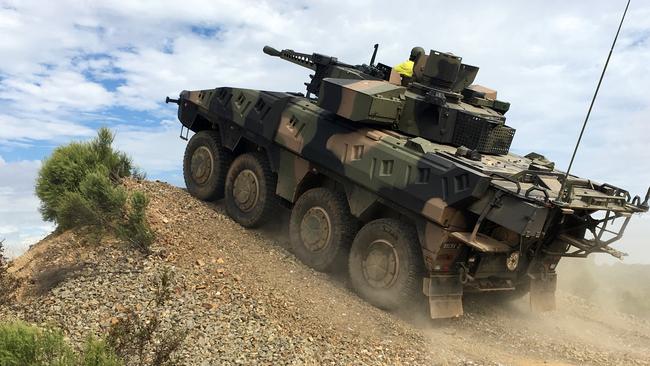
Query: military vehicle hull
[
  {"x": 410, "y": 185},
  {"x": 477, "y": 228}
]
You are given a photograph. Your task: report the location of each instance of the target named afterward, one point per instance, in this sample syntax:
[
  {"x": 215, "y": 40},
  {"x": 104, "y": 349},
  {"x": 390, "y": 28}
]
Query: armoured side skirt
[{"x": 445, "y": 294}]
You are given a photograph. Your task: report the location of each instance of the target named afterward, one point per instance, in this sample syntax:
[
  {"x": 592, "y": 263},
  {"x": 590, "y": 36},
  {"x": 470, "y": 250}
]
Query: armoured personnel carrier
[{"x": 407, "y": 181}]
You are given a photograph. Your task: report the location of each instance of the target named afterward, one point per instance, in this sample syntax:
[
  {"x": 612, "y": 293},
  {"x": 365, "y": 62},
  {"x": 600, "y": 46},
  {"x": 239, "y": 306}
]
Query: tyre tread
[
  {"x": 271, "y": 203},
  {"x": 341, "y": 217},
  {"x": 411, "y": 285},
  {"x": 222, "y": 156}
]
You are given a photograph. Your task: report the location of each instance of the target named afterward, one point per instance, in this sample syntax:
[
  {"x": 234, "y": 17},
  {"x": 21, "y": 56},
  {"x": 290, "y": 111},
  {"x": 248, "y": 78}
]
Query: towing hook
[
  {"x": 463, "y": 275},
  {"x": 170, "y": 100}
]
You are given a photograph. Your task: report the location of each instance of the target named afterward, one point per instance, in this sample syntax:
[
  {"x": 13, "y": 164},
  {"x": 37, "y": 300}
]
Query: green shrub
[
  {"x": 69, "y": 165},
  {"x": 78, "y": 186},
  {"x": 98, "y": 202},
  {"x": 138, "y": 339},
  {"x": 22, "y": 344}
]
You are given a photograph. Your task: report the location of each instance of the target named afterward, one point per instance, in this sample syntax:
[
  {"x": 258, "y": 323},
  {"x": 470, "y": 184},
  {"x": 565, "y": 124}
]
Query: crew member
[{"x": 405, "y": 69}]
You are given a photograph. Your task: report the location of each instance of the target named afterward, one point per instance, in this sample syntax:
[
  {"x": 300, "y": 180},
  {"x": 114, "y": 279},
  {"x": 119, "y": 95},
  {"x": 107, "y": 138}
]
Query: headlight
[{"x": 512, "y": 261}]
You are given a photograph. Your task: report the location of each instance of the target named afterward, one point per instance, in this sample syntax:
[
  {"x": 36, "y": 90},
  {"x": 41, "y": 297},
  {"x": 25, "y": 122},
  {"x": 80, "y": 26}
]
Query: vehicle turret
[{"x": 438, "y": 103}]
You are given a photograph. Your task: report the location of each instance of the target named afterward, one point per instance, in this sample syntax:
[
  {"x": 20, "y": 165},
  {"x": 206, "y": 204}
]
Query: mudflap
[
  {"x": 445, "y": 293},
  {"x": 542, "y": 292}
]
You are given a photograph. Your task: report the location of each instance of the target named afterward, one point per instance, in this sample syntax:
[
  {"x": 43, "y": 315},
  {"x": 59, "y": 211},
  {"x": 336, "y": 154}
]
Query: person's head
[{"x": 415, "y": 53}]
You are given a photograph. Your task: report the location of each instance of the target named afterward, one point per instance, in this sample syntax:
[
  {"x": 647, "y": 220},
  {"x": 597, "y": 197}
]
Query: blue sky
[{"x": 69, "y": 67}]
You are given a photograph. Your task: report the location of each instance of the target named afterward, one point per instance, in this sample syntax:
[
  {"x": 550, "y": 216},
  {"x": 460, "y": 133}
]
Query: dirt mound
[{"x": 245, "y": 299}]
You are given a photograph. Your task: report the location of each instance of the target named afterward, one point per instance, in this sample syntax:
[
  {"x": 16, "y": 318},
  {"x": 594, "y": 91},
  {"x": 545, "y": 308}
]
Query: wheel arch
[
  {"x": 364, "y": 204},
  {"x": 201, "y": 123},
  {"x": 236, "y": 139}
]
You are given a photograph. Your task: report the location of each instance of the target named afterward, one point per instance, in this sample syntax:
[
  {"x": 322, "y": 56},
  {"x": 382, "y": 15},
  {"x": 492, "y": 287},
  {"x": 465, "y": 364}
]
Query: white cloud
[
  {"x": 27, "y": 127},
  {"x": 157, "y": 151},
  {"x": 8, "y": 229},
  {"x": 543, "y": 57},
  {"x": 59, "y": 90},
  {"x": 19, "y": 216}
]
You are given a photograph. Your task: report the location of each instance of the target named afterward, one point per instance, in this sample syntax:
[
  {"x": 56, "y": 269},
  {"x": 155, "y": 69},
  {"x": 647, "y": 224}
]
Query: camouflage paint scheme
[{"x": 434, "y": 151}]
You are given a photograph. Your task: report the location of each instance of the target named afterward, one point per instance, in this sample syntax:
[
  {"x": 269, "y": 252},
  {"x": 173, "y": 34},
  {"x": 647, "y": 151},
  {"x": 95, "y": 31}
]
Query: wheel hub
[
  {"x": 381, "y": 264},
  {"x": 246, "y": 190},
  {"x": 201, "y": 165},
  {"x": 315, "y": 229}
]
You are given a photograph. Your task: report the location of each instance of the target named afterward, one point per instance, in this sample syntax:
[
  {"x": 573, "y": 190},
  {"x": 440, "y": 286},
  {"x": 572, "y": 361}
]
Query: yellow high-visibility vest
[{"x": 405, "y": 68}]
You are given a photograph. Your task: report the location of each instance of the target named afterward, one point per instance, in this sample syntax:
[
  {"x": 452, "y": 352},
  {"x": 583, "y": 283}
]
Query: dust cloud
[{"x": 619, "y": 286}]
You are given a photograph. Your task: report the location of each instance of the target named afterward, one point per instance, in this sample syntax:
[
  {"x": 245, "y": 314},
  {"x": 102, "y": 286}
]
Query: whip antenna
[{"x": 575, "y": 150}]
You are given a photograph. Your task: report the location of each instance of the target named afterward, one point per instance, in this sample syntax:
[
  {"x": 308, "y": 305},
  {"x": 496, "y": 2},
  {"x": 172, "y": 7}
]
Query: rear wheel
[
  {"x": 386, "y": 266},
  {"x": 321, "y": 229},
  {"x": 250, "y": 190},
  {"x": 205, "y": 165}
]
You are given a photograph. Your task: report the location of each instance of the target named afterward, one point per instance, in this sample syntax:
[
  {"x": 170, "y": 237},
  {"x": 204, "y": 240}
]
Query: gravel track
[{"x": 244, "y": 299}]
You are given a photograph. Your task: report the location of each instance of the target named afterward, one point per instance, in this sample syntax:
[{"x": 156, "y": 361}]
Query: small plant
[
  {"x": 97, "y": 353},
  {"x": 8, "y": 283},
  {"x": 78, "y": 186},
  {"x": 163, "y": 288},
  {"x": 138, "y": 339},
  {"x": 135, "y": 228},
  {"x": 22, "y": 344},
  {"x": 138, "y": 174}
]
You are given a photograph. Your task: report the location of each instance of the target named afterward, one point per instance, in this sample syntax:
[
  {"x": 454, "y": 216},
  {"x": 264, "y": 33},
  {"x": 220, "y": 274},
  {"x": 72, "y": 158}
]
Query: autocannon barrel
[{"x": 271, "y": 51}]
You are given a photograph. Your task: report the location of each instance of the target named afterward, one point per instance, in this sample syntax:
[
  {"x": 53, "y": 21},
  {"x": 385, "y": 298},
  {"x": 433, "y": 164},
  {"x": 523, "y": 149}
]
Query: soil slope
[{"x": 243, "y": 298}]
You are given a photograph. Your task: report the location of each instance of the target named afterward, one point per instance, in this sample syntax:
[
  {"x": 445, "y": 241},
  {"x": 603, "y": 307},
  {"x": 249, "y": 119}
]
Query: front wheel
[
  {"x": 386, "y": 265},
  {"x": 205, "y": 164},
  {"x": 250, "y": 190}
]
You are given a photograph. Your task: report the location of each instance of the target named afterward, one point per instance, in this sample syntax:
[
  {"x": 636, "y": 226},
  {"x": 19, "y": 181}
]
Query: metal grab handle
[{"x": 536, "y": 188}]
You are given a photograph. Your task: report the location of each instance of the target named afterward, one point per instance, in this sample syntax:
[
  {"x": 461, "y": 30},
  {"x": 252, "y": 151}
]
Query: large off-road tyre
[
  {"x": 321, "y": 229},
  {"x": 205, "y": 165},
  {"x": 386, "y": 266},
  {"x": 250, "y": 190}
]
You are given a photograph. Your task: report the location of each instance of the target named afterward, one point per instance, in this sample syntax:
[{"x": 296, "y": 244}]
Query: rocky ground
[{"x": 244, "y": 299}]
